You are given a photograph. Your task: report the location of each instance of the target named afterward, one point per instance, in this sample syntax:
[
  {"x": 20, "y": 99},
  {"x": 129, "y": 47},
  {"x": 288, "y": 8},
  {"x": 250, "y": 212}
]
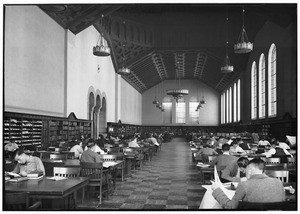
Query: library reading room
[{"x": 149, "y": 107}]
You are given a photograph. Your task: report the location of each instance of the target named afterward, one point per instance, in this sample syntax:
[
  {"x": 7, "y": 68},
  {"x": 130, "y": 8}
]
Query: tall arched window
[
  {"x": 167, "y": 114},
  {"x": 102, "y": 117},
  {"x": 253, "y": 91},
  {"x": 180, "y": 111},
  {"x": 272, "y": 89},
  {"x": 227, "y": 106},
  {"x": 230, "y": 105},
  {"x": 262, "y": 87},
  {"x": 194, "y": 115},
  {"x": 239, "y": 100},
  {"x": 234, "y": 103}
]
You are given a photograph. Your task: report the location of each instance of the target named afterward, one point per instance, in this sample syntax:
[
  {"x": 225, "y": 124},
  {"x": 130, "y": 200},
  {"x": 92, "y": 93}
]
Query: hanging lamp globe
[
  {"x": 243, "y": 45},
  {"x": 101, "y": 49},
  {"x": 227, "y": 68},
  {"x": 123, "y": 71}
]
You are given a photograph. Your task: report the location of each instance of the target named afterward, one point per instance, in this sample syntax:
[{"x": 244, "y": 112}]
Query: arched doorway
[
  {"x": 102, "y": 117},
  {"x": 95, "y": 116}
]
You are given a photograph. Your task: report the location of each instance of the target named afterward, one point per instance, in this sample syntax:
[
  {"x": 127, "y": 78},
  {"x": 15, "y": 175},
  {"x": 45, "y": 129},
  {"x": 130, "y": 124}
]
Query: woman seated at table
[{"x": 27, "y": 163}]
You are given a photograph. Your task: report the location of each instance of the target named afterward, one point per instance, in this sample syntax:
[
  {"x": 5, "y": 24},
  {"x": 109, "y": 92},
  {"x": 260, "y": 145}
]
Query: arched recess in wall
[
  {"x": 95, "y": 116},
  {"x": 91, "y": 104},
  {"x": 167, "y": 114},
  {"x": 102, "y": 117}
]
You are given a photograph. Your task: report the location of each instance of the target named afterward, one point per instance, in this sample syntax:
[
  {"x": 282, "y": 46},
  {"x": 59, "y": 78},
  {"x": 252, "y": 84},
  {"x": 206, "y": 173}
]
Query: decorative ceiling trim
[
  {"x": 180, "y": 64},
  {"x": 200, "y": 65},
  {"x": 160, "y": 66}
]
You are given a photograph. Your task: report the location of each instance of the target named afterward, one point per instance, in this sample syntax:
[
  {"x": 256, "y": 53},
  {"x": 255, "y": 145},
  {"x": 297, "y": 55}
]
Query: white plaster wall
[
  {"x": 83, "y": 74},
  {"x": 33, "y": 62},
  {"x": 131, "y": 104},
  {"x": 208, "y": 116}
]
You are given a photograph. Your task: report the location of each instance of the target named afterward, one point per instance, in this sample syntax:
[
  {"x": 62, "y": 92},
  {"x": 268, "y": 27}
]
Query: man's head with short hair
[
  {"x": 21, "y": 157},
  {"x": 225, "y": 147},
  {"x": 90, "y": 143},
  {"x": 242, "y": 162},
  {"x": 274, "y": 143},
  {"x": 255, "y": 166},
  {"x": 234, "y": 143}
]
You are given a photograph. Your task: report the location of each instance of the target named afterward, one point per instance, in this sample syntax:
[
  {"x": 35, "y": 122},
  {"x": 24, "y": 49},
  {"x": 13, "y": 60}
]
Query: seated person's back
[
  {"x": 89, "y": 156},
  {"x": 259, "y": 188},
  {"x": 225, "y": 159}
]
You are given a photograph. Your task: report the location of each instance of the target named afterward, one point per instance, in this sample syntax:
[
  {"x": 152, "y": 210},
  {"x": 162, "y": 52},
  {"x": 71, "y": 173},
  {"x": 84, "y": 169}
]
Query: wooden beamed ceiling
[{"x": 162, "y": 41}]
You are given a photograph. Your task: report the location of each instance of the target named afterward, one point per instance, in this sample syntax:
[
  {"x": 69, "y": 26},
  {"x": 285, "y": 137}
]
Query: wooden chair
[
  {"x": 105, "y": 157},
  {"x": 66, "y": 171},
  {"x": 291, "y": 160},
  {"x": 45, "y": 155},
  {"x": 19, "y": 201},
  {"x": 70, "y": 155},
  {"x": 281, "y": 175},
  {"x": 272, "y": 160},
  {"x": 95, "y": 172},
  {"x": 121, "y": 168},
  {"x": 243, "y": 205},
  {"x": 58, "y": 156}
]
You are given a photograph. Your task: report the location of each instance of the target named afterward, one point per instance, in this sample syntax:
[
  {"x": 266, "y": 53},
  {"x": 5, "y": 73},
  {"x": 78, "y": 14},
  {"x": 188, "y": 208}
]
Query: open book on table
[
  {"x": 12, "y": 174},
  {"x": 57, "y": 178},
  {"x": 107, "y": 164}
]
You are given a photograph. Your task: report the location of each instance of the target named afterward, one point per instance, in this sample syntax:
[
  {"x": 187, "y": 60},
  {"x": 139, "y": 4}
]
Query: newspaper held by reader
[{"x": 229, "y": 193}]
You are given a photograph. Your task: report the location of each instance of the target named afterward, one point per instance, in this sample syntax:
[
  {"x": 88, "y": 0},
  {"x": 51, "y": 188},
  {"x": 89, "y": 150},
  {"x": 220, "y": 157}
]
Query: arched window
[
  {"x": 262, "y": 87},
  {"x": 253, "y": 91},
  {"x": 167, "y": 114},
  {"x": 194, "y": 115},
  {"x": 180, "y": 111},
  {"x": 102, "y": 117},
  {"x": 234, "y": 103},
  {"x": 227, "y": 106},
  {"x": 230, "y": 105},
  {"x": 239, "y": 100},
  {"x": 272, "y": 89}
]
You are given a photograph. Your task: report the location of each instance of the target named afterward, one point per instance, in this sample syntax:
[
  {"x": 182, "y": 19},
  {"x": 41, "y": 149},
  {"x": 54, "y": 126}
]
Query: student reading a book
[
  {"x": 259, "y": 188},
  {"x": 235, "y": 171},
  {"x": 77, "y": 148},
  {"x": 27, "y": 163}
]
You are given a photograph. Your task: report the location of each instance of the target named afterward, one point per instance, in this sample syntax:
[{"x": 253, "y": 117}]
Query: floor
[{"x": 170, "y": 181}]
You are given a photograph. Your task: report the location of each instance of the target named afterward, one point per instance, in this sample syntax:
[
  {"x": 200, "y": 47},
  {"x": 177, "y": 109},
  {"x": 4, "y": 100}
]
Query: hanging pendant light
[
  {"x": 202, "y": 101},
  {"x": 177, "y": 93},
  {"x": 227, "y": 67},
  {"x": 101, "y": 49},
  {"x": 124, "y": 70},
  {"x": 243, "y": 45}
]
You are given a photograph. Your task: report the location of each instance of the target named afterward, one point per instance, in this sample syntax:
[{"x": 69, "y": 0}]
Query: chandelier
[
  {"x": 227, "y": 67},
  {"x": 124, "y": 70},
  {"x": 177, "y": 93},
  {"x": 101, "y": 48},
  {"x": 243, "y": 45}
]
